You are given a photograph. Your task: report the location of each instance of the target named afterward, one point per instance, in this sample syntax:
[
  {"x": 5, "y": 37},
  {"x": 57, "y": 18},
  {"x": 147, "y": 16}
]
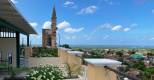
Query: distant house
[
  {"x": 12, "y": 24},
  {"x": 151, "y": 58},
  {"x": 137, "y": 56}
]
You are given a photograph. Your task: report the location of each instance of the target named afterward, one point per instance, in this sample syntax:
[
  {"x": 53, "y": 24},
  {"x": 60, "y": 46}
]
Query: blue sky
[{"x": 96, "y": 22}]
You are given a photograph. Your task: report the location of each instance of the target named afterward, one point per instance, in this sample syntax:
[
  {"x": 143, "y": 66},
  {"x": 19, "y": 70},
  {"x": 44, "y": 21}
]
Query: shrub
[
  {"x": 94, "y": 54},
  {"x": 139, "y": 65},
  {"x": 78, "y": 49},
  {"x": 45, "y": 52},
  {"x": 46, "y": 73},
  {"x": 65, "y": 46},
  {"x": 146, "y": 74},
  {"x": 119, "y": 53}
]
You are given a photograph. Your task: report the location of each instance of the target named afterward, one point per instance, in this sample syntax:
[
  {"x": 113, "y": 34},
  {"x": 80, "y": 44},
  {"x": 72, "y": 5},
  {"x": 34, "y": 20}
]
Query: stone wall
[
  {"x": 43, "y": 61},
  {"x": 99, "y": 73},
  {"x": 71, "y": 59}
]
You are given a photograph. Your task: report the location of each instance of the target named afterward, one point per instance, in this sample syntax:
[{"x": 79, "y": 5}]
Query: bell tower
[{"x": 54, "y": 28}]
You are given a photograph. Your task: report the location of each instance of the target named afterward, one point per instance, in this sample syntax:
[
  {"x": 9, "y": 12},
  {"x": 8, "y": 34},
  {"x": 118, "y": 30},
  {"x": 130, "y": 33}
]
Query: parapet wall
[
  {"x": 42, "y": 61},
  {"x": 95, "y": 67},
  {"x": 71, "y": 58}
]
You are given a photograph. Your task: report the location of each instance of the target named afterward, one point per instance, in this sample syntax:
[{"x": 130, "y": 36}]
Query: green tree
[
  {"x": 146, "y": 74},
  {"x": 65, "y": 46},
  {"x": 139, "y": 65},
  {"x": 119, "y": 53}
]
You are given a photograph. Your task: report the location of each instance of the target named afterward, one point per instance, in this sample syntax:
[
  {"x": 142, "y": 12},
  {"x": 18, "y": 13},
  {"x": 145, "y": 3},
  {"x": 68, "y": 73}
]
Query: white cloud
[
  {"x": 14, "y": 1},
  {"x": 47, "y": 25},
  {"x": 71, "y": 37},
  {"x": 63, "y": 25},
  {"x": 106, "y": 37},
  {"x": 68, "y": 3},
  {"x": 153, "y": 11},
  {"x": 88, "y": 10},
  {"x": 106, "y": 25},
  {"x": 127, "y": 29},
  {"x": 111, "y": 27},
  {"x": 74, "y": 7},
  {"x": 85, "y": 36},
  {"x": 73, "y": 30},
  {"x": 151, "y": 38},
  {"x": 110, "y": 2},
  {"x": 36, "y": 36},
  {"x": 134, "y": 25},
  {"x": 33, "y": 38},
  {"x": 116, "y": 28},
  {"x": 66, "y": 26},
  {"x": 33, "y": 24}
]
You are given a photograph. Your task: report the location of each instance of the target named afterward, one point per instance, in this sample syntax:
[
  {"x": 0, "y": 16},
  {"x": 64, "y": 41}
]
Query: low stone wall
[
  {"x": 37, "y": 61},
  {"x": 28, "y": 52},
  {"x": 71, "y": 59},
  {"x": 62, "y": 52},
  {"x": 97, "y": 71}
]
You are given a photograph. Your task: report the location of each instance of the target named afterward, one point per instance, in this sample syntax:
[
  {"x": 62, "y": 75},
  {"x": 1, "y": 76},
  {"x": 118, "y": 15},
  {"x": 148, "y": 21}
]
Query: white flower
[
  {"x": 34, "y": 78},
  {"x": 39, "y": 77},
  {"x": 44, "y": 73},
  {"x": 50, "y": 73},
  {"x": 43, "y": 76},
  {"x": 27, "y": 75}
]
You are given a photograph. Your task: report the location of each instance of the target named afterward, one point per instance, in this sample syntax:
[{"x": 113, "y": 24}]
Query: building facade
[
  {"x": 49, "y": 35},
  {"x": 12, "y": 24}
]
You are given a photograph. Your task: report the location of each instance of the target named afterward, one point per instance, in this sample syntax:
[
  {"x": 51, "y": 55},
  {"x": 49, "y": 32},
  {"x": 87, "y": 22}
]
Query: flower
[{"x": 46, "y": 73}]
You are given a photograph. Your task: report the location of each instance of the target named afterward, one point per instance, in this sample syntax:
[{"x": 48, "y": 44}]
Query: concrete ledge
[
  {"x": 76, "y": 53},
  {"x": 96, "y": 70},
  {"x": 65, "y": 49},
  {"x": 103, "y": 62}
]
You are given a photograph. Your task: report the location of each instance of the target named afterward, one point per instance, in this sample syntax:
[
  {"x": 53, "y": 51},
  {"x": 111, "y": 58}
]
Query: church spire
[
  {"x": 54, "y": 12},
  {"x": 54, "y": 28}
]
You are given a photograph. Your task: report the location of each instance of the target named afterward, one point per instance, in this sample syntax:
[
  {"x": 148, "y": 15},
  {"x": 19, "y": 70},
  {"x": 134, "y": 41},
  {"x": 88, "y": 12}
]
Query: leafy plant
[
  {"x": 73, "y": 70},
  {"x": 12, "y": 73},
  {"x": 94, "y": 54},
  {"x": 68, "y": 70},
  {"x": 119, "y": 53},
  {"x": 46, "y": 73},
  {"x": 146, "y": 74},
  {"x": 139, "y": 65},
  {"x": 45, "y": 52}
]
